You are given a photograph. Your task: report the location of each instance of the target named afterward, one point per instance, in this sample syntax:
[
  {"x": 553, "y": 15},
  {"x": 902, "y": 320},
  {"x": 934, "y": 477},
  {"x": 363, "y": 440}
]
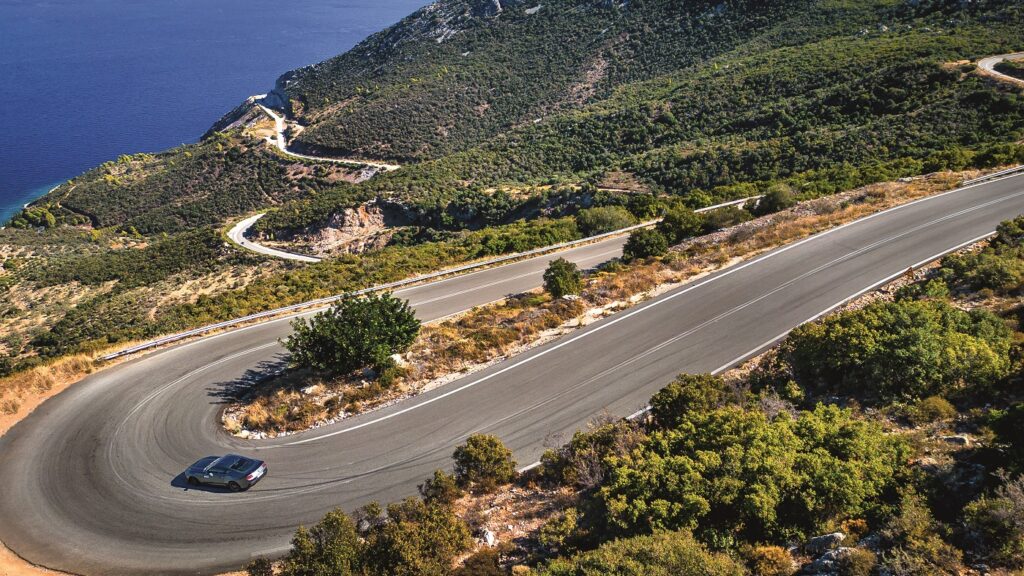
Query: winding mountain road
[
  {"x": 281, "y": 142},
  {"x": 91, "y": 479},
  {"x": 237, "y": 235},
  {"x": 988, "y": 66}
]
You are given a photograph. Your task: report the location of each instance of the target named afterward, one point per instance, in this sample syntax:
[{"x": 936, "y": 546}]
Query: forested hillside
[
  {"x": 823, "y": 111},
  {"x": 534, "y": 111}
]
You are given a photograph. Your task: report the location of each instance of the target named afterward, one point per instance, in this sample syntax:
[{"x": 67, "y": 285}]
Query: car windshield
[{"x": 241, "y": 464}]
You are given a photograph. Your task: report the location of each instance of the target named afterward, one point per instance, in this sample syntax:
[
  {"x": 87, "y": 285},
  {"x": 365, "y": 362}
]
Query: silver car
[{"x": 232, "y": 471}]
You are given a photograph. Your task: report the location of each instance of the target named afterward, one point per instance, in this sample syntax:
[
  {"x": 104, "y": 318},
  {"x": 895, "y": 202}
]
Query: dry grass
[{"x": 484, "y": 335}]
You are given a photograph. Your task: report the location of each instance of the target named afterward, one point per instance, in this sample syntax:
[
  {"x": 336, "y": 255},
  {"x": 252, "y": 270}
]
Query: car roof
[{"x": 226, "y": 460}]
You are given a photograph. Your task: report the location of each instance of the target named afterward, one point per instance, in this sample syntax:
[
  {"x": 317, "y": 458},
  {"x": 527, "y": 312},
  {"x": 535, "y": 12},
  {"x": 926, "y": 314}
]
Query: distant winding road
[
  {"x": 91, "y": 479},
  {"x": 281, "y": 142},
  {"x": 988, "y": 65},
  {"x": 237, "y": 235}
]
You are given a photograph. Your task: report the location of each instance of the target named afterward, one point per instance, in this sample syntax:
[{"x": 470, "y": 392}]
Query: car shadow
[
  {"x": 180, "y": 481},
  {"x": 234, "y": 390}
]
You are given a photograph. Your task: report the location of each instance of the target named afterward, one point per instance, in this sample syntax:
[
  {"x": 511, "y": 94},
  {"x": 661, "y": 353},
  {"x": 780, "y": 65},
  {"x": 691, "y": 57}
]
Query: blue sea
[{"x": 83, "y": 81}]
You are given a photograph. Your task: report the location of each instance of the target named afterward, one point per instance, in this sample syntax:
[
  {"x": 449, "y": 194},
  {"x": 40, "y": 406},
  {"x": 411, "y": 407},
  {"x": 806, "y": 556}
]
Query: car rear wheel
[
  {"x": 234, "y": 487},
  {"x": 192, "y": 481}
]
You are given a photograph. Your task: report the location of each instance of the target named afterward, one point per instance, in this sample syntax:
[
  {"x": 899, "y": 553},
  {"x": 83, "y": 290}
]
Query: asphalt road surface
[{"x": 91, "y": 480}]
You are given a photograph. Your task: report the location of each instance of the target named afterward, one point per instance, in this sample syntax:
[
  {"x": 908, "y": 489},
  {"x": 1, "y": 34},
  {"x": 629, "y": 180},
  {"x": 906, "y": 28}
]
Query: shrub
[
  {"x": 1008, "y": 425},
  {"x": 440, "y": 489},
  {"x": 416, "y": 539},
  {"x": 724, "y": 218},
  {"x": 933, "y": 289},
  {"x": 901, "y": 350},
  {"x": 857, "y": 562},
  {"x": 997, "y": 522},
  {"x": 770, "y": 561},
  {"x": 644, "y": 243},
  {"x": 1009, "y": 233},
  {"x": 680, "y": 223},
  {"x": 932, "y": 409},
  {"x": 593, "y": 221},
  {"x": 483, "y": 463},
  {"x": 260, "y": 567},
  {"x": 732, "y": 472},
  {"x": 556, "y": 532},
  {"x": 778, "y": 197},
  {"x": 583, "y": 462},
  {"x": 562, "y": 278},
  {"x": 330, "y": 547},
  {"x": 687, "y": 393},
  {"x": 354, "y": 333},
  {"x": 663, "y": 554},
  {"x": 484, "y": 562},
  {"x": 915, "y": 542}
]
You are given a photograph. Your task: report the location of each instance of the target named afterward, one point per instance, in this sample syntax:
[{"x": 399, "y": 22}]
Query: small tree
[
  {"x": 680, "y": 223},
  {"x": 330, "y": 547},
  {"x": 354, "y": 333},
  {"x": 644, "y": 243},
  {"x": 484, "y": 463},
  {"x": 562, "y": 278}
]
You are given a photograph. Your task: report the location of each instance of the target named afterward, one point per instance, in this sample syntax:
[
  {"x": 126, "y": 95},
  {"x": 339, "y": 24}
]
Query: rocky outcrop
[
  {"x": 821, "y": 544},
  {"x": 356, "y": 230}
]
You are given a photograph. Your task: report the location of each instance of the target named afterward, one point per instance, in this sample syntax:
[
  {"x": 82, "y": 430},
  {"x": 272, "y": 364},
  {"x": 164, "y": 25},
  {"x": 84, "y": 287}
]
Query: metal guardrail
[
  {"x": 994, "y": 175},
  {"x": 392, "y": 285}
]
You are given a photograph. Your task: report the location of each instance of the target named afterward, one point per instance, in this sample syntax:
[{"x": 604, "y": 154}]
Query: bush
[
  {"x": 556, "y": 532},
  {"x": 593, "y": 221},
  {"x": 686, "y": 394},
  {"x": 770, "y": 561},
  {"x": 354, "y": 333},
  {"x": 902, "y": 349},
  {"x": 644, "y": 243},
  {"x": 915, "y": 542},
  {"x": 562, "y": 278},
  {"x": 933, "y": 289},
  {"x": 484, "y": 562},
  {"x": 932, "y": 409},
  {"x": 732, "y": 472},
  {"x": 857, "y": 562},
  {"x": 1008, "y": 425},
  {"x": 680, "y": 223},
  {"x": 330, "y": 547},
  {"x": 441, "y": 489},
  {"x": 997, "y": 522},
  {"x": 583, "y": 462},
  {"x": 777, "y": 198},
  {"x": 415, "y": 539},
  {"x": 483, "y": 463},
  {"x": 663, "y": 554},
  {"x": 260, "y": 567}
]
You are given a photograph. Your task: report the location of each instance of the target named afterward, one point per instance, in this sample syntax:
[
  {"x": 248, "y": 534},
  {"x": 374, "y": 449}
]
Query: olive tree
[{"x": 354, "y": 333}]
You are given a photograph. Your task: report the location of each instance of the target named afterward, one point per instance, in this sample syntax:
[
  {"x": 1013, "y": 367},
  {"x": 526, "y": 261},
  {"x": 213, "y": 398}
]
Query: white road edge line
[
  {"x": 638, "y": 310},
  {"x": 771, "y": 342}
]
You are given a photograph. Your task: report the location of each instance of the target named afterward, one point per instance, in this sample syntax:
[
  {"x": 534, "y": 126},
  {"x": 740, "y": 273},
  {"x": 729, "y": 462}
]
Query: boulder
[
  {"x": 828, "y": 563},
  {"x": 820, "y": 544},
  {"x": 488, "y": 538},
  {"x": 957, "y": 440}
]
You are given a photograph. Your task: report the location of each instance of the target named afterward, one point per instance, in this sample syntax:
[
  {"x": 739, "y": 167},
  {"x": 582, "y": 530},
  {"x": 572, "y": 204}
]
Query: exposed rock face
[
  {"x": 357, "y": 230},
  {"x": 824, "y": 543},
  {"x": 828, "y": 563}
]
